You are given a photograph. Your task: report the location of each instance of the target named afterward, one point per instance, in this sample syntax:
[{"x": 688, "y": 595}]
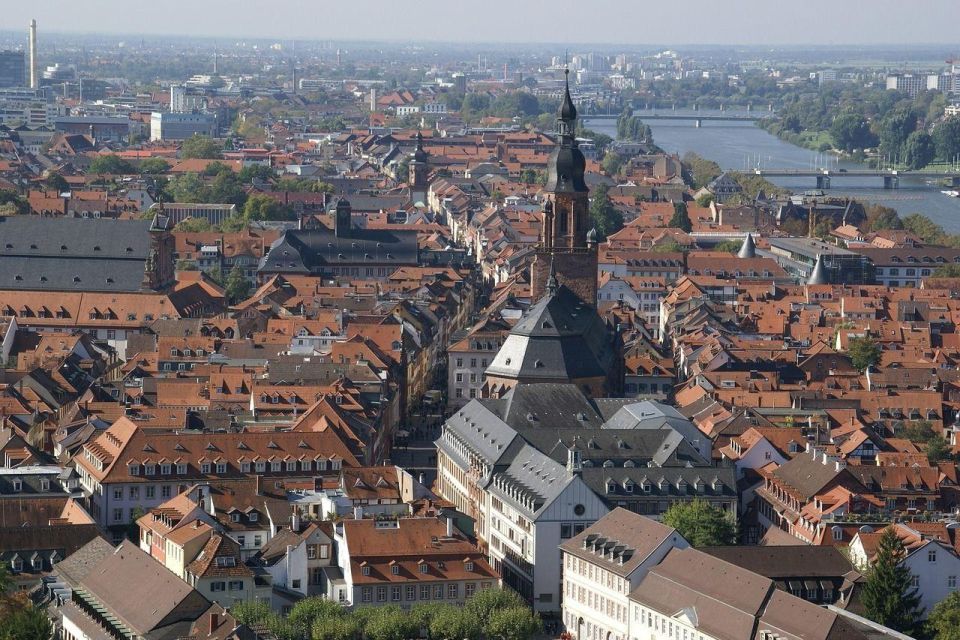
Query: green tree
[
  {"x": 924, "y": 228},
  {"x": 851, "y": 131},
  {"x": 918, "y": 150},
  {"x": 390, "y": 623},
  {"x": 237, "y": 285},
  {"x": 681, "y": 218},
  {"x": 263, "y": 207},
  {"x": 895, "y": 128},
  {"x": 513, "y": 623},
  {"x": 307, "y": 611},
  {"x": 946, "y": 139},
  {"x": 730, "y": 246},
  {"x": 255, "y": 172},
  {"x": 197, "y": 146},
  {"x": 188, "y": 187},
  {"x": 216, "y": 167},
  {"x": 402, "y": 169},
  {"x": 454, "y": 622},
  {"x": 153, "y": 166},
  {"x": 699, "y": 172},
  {"x": 879, "y": 217},
  {"x": 56, "y": 182},
  {"x": 864, "y": 352},
  {"x": 110, "y": 164},
  {"x": 704, "y": 200},
  {"x": 668, "y": 245},
  {"x": 133, "y": 529},
  {"x": 193, "y": 225},
  {"x": 606, "y": 218},
  {"x": 938, "y": 450},
  {"x": 947, "y": 271},
  {"x": 944, "y": 620},
  {"x": 484, "y": 602},
  {"x": 611, "y": 163},
  {"x": 888, "y": 596},
  {"x": 701, "y": 523},
  {"x": 346, "y": 627},
  {"x": 251, "y": 611},
  {"x": 12, "y": 204},
  {"x": 23, "y": 621}
]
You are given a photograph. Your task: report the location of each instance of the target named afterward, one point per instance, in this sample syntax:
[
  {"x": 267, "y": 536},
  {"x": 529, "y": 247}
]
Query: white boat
[{"x": 953, "y": 193}]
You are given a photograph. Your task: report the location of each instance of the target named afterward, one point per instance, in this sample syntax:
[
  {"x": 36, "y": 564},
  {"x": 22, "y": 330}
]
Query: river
[{"x": 743, "y": 145}]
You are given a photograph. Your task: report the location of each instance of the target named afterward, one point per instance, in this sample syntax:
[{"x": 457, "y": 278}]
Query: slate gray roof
[
  {"x": 636, "y": 537},
  {"x": 807, "y": 473},
  {"x": 532, "y": 481},
  {"x": 76, "y": 566},
  {"x": 51, "y": 254},
  {"x": 801, "y": 561},
  {"x": 717, "y": 482},
  {"x": 560, "y": 339},
  {"x": 316, "y": 250},
  {"x": 140, "y": 592}
]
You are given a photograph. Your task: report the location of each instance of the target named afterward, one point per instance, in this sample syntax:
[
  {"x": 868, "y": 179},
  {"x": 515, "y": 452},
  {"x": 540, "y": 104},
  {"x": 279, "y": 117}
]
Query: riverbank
[{"x": 742, "y": 146}]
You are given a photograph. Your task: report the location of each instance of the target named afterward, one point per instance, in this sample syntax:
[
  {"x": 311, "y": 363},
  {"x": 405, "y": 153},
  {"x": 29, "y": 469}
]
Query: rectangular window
[
  {"x": 411, "y": 593},
  {"x": 367, "y": 594},
  {"x": 452, "y": 591},
  {"x": 951, "y": 582},
  {"x": 118, "y": 515},
  {"x": 424, "y": 592},
  {"x": 394, "y": 594},
  {"x": 381, "y": 594},
  {"x": 164, "y": 491},
  {"x": 151, "y": 492},
  {"x": 469, "y": 589},
  {"x": 438, "y": 592}
]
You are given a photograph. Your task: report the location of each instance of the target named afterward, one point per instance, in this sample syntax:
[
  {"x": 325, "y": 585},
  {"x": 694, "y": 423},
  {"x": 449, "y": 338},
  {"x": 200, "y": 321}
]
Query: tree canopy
[
  {"x": 197, "y": 146},
  {"x": 701, "y": 523},
  {"x": 944, "y": 620},
  {"x": 888, "y": 595},
  {"x": 489, "y": 614},
  {"x": 606, "y": 218},
  {"x": 111, "y": 164},
  {"x": 864, "y": 352},
  {"x": 681, "y": 218}
]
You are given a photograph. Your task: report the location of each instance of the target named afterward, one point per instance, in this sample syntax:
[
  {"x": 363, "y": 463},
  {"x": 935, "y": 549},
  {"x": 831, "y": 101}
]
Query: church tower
[
  {"x": 419, "y": 167},
  {"x": 567, "y": 244}
]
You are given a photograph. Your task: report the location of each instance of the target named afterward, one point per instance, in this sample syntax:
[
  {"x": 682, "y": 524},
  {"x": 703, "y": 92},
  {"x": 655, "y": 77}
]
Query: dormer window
[
  {"x": 16, "y": 564},
  {"x": 235, "y": 516},
  {"x": 395, "y": 570},
  {"x": 149, "y": 469},
  {"x": 468, "y": 565},
  {"x": 17, "y": 485},
  {"x": 423, "y": 567},
  {"x": 365, "y": 570},
  {"x": 253, "y": 516},
  {"x": 134, "y": 469}
]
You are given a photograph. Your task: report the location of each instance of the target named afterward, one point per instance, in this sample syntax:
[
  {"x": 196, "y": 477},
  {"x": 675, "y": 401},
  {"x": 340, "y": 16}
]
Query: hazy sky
[{"x": 595, "y": 21}]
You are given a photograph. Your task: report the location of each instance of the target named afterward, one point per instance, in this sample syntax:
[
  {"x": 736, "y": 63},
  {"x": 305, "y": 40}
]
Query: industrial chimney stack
[{"x": 34, "y": 79}]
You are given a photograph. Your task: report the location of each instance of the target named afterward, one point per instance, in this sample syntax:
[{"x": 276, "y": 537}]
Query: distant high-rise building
[
  {"x": 34, "y": 76},
  {"x": 12, "y": 69}
]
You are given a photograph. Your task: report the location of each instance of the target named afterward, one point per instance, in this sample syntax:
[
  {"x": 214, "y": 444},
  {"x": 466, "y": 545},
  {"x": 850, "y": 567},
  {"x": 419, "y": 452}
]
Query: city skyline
[{"x": 741, "y": 23}]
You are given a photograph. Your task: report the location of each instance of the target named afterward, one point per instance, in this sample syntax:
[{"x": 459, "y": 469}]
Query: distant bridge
[
  {"x": 697, "y": 119},
  {"x": 891, "y": 177}
]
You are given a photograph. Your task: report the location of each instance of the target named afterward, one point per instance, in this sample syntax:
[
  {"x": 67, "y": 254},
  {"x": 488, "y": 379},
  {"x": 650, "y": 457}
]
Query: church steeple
[
  {"x": 567, "y": 118},
  {"x": 567, "y": 255}
]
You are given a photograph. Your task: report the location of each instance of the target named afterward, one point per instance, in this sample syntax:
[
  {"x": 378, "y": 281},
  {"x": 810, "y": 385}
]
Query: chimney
[
  {"x": 34, "y": 79},
  {"x": 214, "y": 622},
  {"x": 358, "y": 513},
  {"x": 450, "y": 527},
  {"x": 420, "y": 478},
  {"x": 295, "y": 520}
]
